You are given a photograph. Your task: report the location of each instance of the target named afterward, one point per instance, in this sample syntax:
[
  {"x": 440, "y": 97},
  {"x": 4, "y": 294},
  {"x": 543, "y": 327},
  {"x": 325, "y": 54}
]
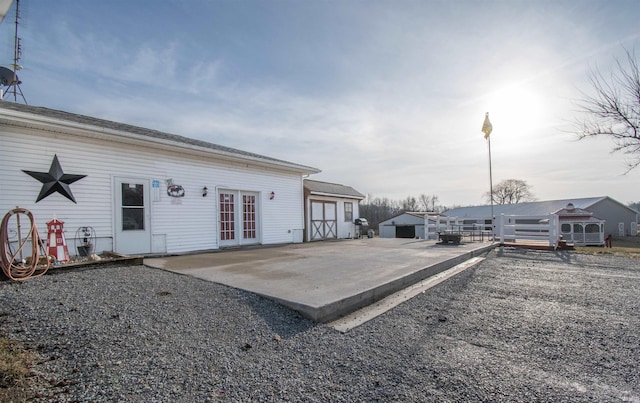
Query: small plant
[{"x": 14, "y": 364}]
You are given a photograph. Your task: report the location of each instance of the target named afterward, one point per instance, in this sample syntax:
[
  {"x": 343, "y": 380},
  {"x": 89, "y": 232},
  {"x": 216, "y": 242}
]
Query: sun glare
[{"x": 515, "y": 110}]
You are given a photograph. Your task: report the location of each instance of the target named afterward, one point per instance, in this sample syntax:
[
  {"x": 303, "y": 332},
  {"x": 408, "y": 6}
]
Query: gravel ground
[{"x": 520, "y": 326}]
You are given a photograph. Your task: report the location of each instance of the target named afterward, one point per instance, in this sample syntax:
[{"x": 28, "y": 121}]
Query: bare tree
[
  {"x": 614, "y": 109},
  {"x": 425, "y": 202},
  {"x": 378, "y": 210},
  {"x": 511, "y": 191},
  {"x": 410, "y": 204}
]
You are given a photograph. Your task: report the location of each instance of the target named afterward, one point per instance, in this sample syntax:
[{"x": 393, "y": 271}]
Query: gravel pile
[{"x": 521, "y": 326}]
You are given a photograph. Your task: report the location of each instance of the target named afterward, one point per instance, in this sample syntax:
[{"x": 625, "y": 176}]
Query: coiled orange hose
[{"x": 15, "y": 268}]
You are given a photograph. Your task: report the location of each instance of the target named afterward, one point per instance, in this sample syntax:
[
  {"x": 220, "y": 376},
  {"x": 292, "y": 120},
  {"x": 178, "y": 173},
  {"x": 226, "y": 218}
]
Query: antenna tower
[{"x": 9, "y": 77}]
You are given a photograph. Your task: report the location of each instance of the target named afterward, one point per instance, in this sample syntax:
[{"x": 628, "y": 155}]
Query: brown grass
[
  {"x": 15, "y": 364},
  {"x": 626, "y": 246}
]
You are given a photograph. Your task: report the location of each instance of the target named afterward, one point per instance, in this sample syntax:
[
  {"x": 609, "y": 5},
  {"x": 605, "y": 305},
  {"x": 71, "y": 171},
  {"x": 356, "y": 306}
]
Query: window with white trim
[{"x": 348, "y": 212}]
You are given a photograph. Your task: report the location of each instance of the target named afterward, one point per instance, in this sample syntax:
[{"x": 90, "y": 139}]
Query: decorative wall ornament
[
  {"x": 55, "y": 181},
  {"x": 174, "y": 190}
]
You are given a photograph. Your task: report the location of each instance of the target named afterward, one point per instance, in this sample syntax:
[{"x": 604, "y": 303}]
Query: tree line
[{"x": 378, "y": 209}]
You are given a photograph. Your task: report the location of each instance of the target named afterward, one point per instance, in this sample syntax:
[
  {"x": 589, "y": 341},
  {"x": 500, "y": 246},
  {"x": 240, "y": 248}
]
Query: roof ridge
[{"x": 134, "y": 129}]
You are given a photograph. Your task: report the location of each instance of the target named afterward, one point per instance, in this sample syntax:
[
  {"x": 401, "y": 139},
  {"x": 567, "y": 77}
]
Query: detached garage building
[
  {"x": 405, "y": 225},
  {"x": 144, "y": 191},
  {"x": 330, "y": 210}
]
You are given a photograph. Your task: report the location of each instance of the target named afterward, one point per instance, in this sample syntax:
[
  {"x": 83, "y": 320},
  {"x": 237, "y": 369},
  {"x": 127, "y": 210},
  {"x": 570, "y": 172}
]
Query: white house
[
  {"x": 330, "y": 210},
  {"x": 405, "y": 225},
  {"x": 143, "y": 191}
]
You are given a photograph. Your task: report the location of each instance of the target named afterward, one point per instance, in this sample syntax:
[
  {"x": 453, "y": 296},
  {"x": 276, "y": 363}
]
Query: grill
[{"x": 362, "y": 227}]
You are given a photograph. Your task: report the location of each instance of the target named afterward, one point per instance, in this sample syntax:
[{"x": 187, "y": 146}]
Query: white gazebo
[{"x": 580, "y": 227}]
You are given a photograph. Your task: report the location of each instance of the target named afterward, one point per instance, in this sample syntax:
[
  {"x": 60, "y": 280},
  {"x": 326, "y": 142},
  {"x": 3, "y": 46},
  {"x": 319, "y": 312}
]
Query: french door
[{"x": 239, "y": 218}]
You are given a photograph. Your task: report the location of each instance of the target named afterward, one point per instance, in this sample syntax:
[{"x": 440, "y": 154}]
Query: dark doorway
[{"x": 406, "y": 231}]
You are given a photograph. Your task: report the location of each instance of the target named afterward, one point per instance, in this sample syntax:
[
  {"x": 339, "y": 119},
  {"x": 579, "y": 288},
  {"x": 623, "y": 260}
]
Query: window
[
  {"x": 578, "y": 229},
  {"x": 348, "y": 212},
  {"x": 227, "y": 217},
  {"x": 132, "y": 206},
  {"x": 565, "y": 228},
  {"x": 592, "y": 229}
]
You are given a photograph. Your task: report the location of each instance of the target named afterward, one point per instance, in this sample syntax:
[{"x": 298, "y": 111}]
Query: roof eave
[
  {"x": 30, "y": 120},
  {"x": 316, "y": 193}
]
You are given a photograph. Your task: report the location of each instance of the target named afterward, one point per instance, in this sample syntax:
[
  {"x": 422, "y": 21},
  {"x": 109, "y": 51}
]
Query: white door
[
  {"x": 239, "y": 218},
  {"x": 249, "y": 218},
  {"x": 132, "y": 216},
  {"x": 324, "y": 223}
]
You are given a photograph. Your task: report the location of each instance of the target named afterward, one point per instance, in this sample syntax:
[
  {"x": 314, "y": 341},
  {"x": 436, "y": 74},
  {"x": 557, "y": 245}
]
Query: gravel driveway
[{"x": 520, "y": 326}]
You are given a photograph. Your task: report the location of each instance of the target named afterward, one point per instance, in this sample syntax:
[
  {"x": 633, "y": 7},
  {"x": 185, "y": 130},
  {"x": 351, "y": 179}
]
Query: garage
[
  {"x": 405, "y": 231},
  {"x": 409, "y": 224}
]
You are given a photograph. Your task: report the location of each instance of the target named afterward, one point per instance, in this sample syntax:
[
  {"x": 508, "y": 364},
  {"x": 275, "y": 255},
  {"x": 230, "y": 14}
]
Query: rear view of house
[{"x": 143, "y": 191}]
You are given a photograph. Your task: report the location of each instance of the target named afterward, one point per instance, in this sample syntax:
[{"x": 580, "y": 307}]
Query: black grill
[{"x": 362, "y": 227}]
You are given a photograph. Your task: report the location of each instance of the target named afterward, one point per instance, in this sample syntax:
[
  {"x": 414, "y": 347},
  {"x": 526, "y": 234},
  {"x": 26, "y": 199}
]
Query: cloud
[{"x": 386, "y": 98}]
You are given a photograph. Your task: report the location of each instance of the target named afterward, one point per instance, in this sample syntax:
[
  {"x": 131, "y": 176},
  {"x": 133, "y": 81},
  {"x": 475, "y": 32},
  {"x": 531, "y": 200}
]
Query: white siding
[
  {"x": 345, "y": 229},
  {"x": 387, "y": 231},
  {"x": 181, "y": 224}
]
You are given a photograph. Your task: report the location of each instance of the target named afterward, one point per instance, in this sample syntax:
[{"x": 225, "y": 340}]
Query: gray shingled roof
[
  {"x": 332, "y": 189},
  {"x": 528, "y": 209},
  {"x": 152, "y": 134}
]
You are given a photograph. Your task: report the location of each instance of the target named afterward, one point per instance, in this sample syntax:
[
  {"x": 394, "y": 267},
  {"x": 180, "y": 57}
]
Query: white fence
[
  {"x": 436, "y": 223},
  {"x": 508, "y": 228},
  {"x": 514, "y": 228},
  {"x": 469, "y": 227}
]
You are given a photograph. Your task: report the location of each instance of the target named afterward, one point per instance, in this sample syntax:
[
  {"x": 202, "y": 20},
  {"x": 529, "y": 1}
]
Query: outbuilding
[
  {"x": 405, "y": 225},
  {"x": 144, "y": 191},
  {"x": 330, "y": 210},
  {"x": 616, "y": 218}
]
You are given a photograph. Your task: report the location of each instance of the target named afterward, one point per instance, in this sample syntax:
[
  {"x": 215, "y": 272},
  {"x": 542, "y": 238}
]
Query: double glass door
[{"x": 238, "y": 218}]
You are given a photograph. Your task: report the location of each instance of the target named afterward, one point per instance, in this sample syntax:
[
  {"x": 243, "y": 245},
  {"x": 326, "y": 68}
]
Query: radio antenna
[{"x": 9, "y": 78}]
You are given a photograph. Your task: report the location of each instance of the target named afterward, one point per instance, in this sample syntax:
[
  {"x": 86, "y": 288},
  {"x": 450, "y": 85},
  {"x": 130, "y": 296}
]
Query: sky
[{"x": 386, "y": 96}]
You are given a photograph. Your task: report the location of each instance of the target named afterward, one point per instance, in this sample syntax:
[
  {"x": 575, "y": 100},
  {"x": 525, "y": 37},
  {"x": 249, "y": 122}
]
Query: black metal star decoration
[{"x": 55, "y": 181}]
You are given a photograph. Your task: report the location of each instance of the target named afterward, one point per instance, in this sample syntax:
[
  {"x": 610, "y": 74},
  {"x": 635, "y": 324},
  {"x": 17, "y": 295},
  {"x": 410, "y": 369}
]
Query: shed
[
  {"x": 144, "y": 191},
  {"x": 330, "y": 210},
  {"x": 404, "y": 225},
  {"x": 619, "y": 220}
]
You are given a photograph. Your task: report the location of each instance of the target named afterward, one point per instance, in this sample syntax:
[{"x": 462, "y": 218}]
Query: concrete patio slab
[{"x": 325, "y": 280}]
